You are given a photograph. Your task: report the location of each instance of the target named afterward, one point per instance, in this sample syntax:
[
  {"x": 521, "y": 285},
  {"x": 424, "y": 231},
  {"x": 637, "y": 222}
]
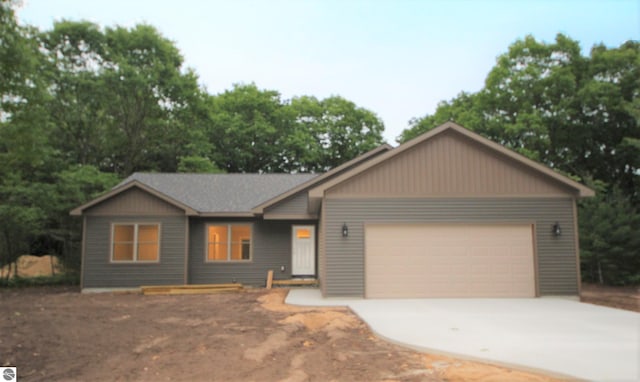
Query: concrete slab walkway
[{"x": 560, "y": 336}]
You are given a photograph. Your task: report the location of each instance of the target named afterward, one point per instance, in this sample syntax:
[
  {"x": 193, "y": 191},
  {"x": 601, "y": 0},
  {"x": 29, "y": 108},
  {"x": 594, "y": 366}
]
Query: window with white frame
[
  {"x": 228, "y": 242},
  {"x": 135, "y": 242}
]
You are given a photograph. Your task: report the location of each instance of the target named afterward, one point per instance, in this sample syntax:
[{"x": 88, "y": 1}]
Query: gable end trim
[
  {"x": 581, "y": 190},
  {"x": 78, "y": 211}
]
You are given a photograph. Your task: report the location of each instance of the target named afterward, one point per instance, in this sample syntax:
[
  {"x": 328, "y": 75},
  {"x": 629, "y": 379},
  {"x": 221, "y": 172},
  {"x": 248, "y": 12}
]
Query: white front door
[{"x": 303, "y": 250}]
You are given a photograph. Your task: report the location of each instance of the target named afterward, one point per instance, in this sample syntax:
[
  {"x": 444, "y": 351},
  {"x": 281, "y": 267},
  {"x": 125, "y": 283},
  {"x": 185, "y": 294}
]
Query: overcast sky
[{"x": 396, "y": 58}]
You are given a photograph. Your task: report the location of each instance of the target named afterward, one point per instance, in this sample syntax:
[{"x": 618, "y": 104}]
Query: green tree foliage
[
  {"x": 331, "y": 131},
  {"x": 579, "y": 115},
  {"x": 20, "y": 217},
  {"x": 197, "y": 164},
  {"x": 122, "y": 101},
  {"x": 25, "y": 158},
  {"x": 609, "y": 239},
  {"x": 82, "y": 106},
  {"x": 254, "y": 130},
  {"x": 248, "y": 127}
]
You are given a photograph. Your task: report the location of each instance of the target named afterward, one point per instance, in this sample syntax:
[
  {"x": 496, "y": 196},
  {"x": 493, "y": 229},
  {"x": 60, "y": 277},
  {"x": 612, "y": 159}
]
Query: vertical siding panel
[
  {"x": 454, "y": 165},
  {"x": 344, "y": 257}
]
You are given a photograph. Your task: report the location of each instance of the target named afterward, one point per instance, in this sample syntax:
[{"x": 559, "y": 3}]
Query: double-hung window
[
  {"x": 135, "y": 242},
  {"x": 228, "y": 242}
]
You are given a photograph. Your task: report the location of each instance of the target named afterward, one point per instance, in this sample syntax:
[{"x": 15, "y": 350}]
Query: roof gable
[
  {"x": 134, "y": 201},
  {"x": 450, "y": 159},
  {"x": 207, "y": 194},
  {"x": 123, "y": 187},
  {"x": 321, "y": 178}
]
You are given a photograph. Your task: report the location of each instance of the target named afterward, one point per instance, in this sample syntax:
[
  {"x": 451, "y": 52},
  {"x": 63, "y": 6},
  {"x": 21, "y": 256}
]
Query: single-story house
[{"x": 447, "y": 214}]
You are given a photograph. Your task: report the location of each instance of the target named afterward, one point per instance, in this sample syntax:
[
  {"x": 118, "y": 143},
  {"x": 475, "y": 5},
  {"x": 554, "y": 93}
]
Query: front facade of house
[{"x": 448, "y": 214}]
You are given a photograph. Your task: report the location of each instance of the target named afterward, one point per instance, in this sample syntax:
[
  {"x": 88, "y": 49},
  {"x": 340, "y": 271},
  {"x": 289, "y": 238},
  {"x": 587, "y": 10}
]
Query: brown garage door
[{"x": 414, "y": 261}]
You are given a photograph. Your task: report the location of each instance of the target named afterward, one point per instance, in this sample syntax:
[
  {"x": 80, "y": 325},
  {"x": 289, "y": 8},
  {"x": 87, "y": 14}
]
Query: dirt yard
[
  {"x": 616, "y": 297},
  {"x": 58, "y": 334}
]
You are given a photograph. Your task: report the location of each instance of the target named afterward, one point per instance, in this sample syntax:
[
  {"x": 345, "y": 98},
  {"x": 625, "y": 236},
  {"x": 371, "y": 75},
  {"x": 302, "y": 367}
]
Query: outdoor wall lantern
[
  {"x": 345, "y": 230},
  {"x": 557, "y": 231}
]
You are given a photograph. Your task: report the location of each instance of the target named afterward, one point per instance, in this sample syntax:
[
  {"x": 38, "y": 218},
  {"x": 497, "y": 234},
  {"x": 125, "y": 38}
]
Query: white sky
[{"x": 396, "y": 58}]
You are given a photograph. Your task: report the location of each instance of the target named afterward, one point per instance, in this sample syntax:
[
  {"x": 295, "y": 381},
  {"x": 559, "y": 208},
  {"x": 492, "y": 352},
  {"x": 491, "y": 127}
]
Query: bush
[
  {"x": 58, "y": 279},
  {"x": 609, "y": 240}
]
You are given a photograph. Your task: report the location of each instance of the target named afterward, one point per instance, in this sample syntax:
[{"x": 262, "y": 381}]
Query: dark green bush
[{"x": 59, "y": 279}]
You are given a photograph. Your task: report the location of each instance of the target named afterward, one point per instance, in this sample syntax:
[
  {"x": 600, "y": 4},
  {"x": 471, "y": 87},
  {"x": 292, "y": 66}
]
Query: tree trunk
[{"x": 600, "y": 278}]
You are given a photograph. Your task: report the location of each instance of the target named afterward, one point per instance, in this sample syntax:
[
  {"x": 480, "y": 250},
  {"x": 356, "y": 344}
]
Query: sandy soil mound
[
  {"x": 327, "y": 319},
  {"x": 453, "y": 369},
  {"x": 31, "y": 266}
]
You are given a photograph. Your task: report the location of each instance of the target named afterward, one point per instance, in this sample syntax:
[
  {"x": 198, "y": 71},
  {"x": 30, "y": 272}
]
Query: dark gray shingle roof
[{"x": 210, "y": 193}]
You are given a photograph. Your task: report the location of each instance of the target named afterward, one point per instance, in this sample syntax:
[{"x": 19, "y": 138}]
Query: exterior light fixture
[
  {"x": 345, "y": 230},
  {"x": 556, "y": 230}
]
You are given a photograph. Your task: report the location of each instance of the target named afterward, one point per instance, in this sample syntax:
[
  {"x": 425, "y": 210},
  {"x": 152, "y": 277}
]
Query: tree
[
  {"x": 20, "y": 217},
  {"x": 254, "y": 130},
  {"x": 330, "y": 132},
  {"x": 26, "y": 159},
  {"x": 122, "y": 100},
  {"x": 464, "y": 109},
  {"x": 197, "y": 164},
  {"x": 609, "y": 240},
  {"x": 248, "y": 126}
]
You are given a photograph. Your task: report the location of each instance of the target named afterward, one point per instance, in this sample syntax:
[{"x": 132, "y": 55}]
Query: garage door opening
[{"x": 451, "y": 260}]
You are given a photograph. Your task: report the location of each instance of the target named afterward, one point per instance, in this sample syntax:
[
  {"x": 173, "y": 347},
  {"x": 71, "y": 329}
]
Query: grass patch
[{"x": 69, "y": 278}]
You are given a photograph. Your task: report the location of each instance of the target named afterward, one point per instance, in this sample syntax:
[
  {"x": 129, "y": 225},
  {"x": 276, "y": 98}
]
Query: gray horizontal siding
[
  {"x": 344, "y": 257},
  {"x": 271, "y": 249},
  {"x": 295, "y": 205},
  {"x": 99, "y": 272}
]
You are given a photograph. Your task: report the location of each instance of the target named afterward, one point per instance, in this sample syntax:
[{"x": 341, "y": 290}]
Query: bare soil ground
[
  {"x": 58, "y": 334},
  {"x": 627, "y": 298}
]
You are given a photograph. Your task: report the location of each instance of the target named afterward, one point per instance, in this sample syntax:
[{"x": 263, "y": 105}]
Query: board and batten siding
[
  {"x": 100, "y": 272},
  {"x": 344, "y": 256},
  {"x": 450, "y": 165},
  {"x": 270, "y": 246}
]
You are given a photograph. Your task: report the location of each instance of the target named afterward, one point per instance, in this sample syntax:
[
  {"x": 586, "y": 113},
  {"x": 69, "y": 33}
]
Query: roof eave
[{"x": 227, "y": 214}]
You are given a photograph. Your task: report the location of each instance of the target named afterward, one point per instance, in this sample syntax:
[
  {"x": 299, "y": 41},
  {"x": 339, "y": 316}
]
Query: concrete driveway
[{"x": 555, "y": 335}]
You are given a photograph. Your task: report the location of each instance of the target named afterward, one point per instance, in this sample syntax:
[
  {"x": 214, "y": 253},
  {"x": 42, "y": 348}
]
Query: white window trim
[
  {"x": 135, "y": 243},
  {"x": 229, "y": 243}
]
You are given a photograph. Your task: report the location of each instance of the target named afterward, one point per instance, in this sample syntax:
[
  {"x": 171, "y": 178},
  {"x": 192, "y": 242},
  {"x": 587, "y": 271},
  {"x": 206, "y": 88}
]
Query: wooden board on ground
[
  {"x": 295, "y": 282},
  {"x": 190, "y": 289},
  {"x": 269, "y": 279}
]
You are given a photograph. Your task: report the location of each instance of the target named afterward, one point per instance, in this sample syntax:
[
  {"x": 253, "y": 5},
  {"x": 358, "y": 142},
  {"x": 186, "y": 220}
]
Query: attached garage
[
  {"x": 448, "y": 214},
  {"x": 450, "y": 260}
]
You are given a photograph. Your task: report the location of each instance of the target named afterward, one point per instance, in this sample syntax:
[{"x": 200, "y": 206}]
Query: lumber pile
[
  {"x": 295, "y": 282},
  {"x": 190, "y": 289},
  {"x": 290, "y": 282}
]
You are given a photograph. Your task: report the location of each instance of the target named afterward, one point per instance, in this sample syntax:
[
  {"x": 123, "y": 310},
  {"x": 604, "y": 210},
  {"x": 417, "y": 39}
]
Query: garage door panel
[{"x": 416, "y": 261}]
